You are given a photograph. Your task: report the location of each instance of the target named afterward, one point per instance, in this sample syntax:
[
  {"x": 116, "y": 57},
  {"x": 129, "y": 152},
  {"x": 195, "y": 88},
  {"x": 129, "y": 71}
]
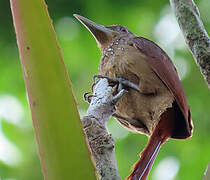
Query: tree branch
[
  {"x": 207, "y": 173},
  {"x": 195, "y": 35},
  {"x": 94, "y": 123}
]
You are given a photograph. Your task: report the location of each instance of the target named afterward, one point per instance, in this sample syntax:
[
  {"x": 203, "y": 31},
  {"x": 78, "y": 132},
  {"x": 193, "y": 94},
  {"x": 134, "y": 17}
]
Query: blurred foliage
[{"x": 81, "y": 56}]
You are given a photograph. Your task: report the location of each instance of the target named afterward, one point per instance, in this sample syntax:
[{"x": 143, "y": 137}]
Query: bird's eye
[{"x": 122, "y": 29}]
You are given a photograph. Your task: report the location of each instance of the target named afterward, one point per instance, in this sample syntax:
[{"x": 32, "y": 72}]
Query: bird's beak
[{"x": 101, "y": 33}]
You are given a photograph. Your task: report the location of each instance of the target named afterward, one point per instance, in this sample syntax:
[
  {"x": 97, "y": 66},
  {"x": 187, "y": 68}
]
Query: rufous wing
[{"x": 162, "y": 65}]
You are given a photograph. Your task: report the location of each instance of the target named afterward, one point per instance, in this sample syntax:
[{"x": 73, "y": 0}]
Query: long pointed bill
[{"x": 102, "y": 34}]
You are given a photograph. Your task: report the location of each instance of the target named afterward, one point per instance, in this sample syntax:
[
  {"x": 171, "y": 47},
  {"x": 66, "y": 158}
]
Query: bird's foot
[
  {"x": 123, "y": 83},
  {"x": 87, "y": 97},
  {"x": 104, "y": 99},
  {"x": 119, "y": 91}
]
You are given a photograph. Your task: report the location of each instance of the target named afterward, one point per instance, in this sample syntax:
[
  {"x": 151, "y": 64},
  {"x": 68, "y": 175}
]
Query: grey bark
[
  {"x": 101, "y": 143},
  {"x": 197, "y": 39},
  {"x": 207, "y": 173},
  {"x": 195, "y": 35}
]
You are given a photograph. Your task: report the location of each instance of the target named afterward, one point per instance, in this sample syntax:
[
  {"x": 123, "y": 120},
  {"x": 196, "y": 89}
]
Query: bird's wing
[{"x": 162, "y": 65}]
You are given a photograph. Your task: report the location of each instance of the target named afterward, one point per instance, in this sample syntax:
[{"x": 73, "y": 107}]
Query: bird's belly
[{"x": 144, "y": 111}]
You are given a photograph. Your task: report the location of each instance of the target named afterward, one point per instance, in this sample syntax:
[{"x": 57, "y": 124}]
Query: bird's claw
[
  {"x": 121, "y": 81},
  {"x": 117, "y": 89},
  {"x": 98, "y": 76},
  {"x": 87, "y": 97},
  {"x": 93, "y": 85}
]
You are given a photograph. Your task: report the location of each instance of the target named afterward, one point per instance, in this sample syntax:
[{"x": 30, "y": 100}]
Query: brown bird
[{"x": 159, "y": 107}]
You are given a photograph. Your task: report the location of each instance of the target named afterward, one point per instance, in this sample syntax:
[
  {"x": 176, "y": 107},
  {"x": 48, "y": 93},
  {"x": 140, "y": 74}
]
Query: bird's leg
[{"x": 121, "y": 81}]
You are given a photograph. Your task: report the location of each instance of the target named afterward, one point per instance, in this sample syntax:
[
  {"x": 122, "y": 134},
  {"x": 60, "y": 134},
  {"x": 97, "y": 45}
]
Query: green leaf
[{"x": 62, "y": 148}]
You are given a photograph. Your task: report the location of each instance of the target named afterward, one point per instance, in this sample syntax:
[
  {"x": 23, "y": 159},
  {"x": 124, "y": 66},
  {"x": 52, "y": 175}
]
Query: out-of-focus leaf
[{"x": 62, "y": 147}]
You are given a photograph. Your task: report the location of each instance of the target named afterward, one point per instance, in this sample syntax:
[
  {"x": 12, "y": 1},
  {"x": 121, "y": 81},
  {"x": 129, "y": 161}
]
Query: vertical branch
[
  {"x": 102, "y": 147},
  {"x": 207, "y": 173},
  {"x": 100, "y": 141},
  {"x": 195, "y": 35}
]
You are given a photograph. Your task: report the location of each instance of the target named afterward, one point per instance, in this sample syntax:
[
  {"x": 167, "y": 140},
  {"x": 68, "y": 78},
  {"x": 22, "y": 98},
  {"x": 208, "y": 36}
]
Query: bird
[{"x": 158, "y": 107}]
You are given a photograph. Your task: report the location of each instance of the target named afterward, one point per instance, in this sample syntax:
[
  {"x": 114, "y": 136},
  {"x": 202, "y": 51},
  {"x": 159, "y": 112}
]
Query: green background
[{"x": 152, "y": 19}]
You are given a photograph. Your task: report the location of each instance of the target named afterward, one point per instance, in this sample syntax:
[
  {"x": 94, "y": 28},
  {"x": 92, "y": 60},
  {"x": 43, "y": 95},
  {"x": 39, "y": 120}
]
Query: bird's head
[{"x": 104, "y": 35}]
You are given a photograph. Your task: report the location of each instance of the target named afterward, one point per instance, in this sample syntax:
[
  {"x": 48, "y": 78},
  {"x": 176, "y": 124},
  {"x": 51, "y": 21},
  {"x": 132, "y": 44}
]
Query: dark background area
[{"x": 178, "y": 160}]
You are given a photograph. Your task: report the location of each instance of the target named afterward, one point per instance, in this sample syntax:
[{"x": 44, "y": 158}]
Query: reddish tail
[
  {"x": 161, "y": 133},
  {"x": 142, "y": 167}
]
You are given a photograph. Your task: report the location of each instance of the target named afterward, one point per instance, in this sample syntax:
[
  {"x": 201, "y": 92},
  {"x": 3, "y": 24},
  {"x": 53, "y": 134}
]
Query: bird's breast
[
  {"x": 119, "y": 57},
  {"x": 122, "y": 59}
]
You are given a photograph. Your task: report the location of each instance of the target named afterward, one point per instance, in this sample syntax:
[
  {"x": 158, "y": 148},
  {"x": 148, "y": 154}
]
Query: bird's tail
[
  {"x": 161, "y": 133},
  {"x": 142, "y": 168}
]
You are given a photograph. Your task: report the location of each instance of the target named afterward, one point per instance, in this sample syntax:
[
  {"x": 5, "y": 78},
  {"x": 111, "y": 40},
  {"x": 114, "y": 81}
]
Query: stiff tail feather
[
  {"x": 160, "y": 135},
  {"x": 142, "y": 167}
]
